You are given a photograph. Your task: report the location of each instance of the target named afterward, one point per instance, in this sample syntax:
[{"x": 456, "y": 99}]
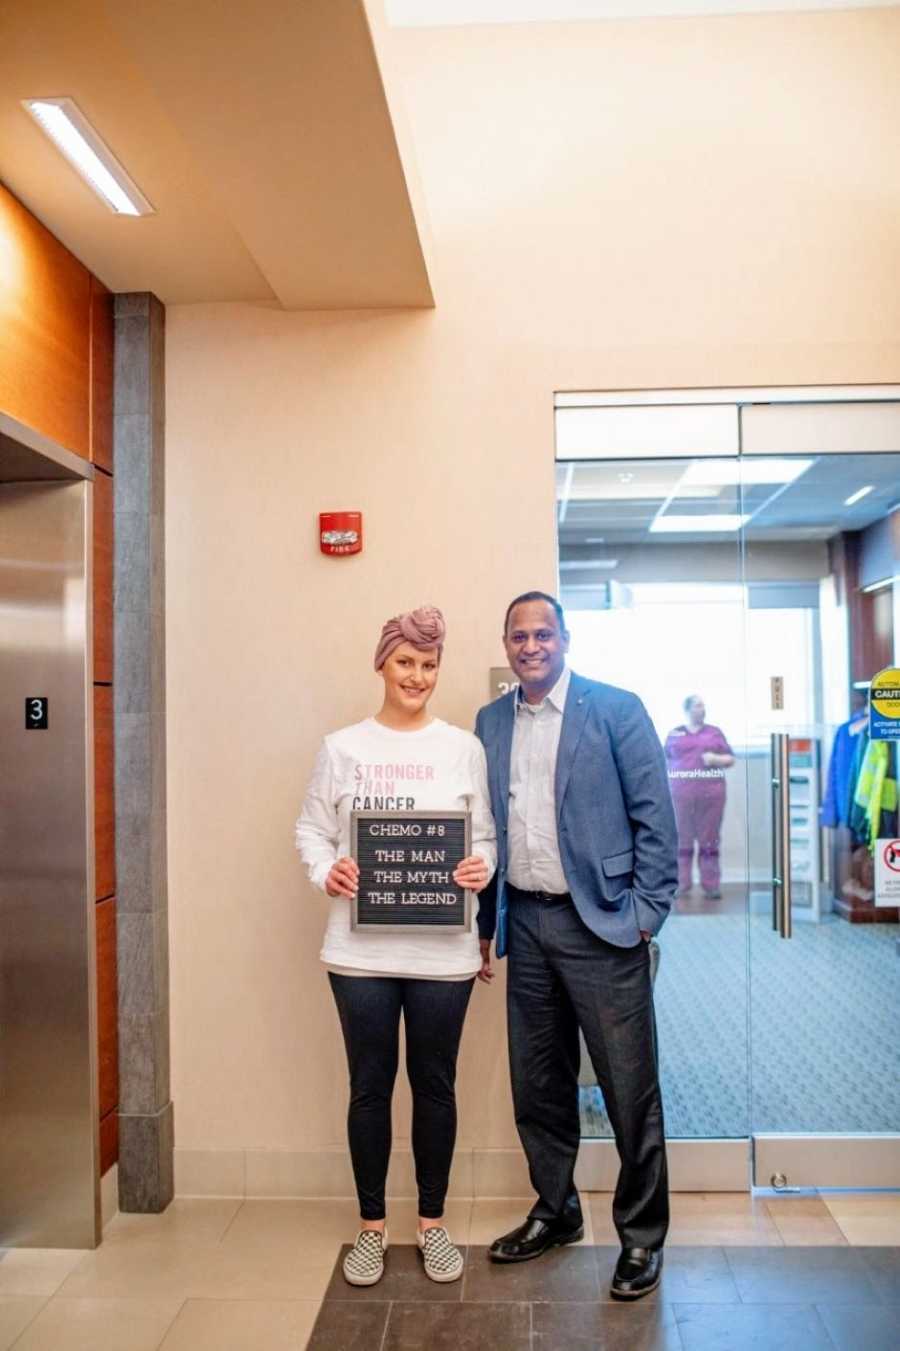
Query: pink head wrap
[{"x": 423, "y": 628}]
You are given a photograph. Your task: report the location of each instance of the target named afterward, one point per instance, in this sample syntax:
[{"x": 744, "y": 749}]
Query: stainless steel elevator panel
[{"x": 49, "y": 1148}]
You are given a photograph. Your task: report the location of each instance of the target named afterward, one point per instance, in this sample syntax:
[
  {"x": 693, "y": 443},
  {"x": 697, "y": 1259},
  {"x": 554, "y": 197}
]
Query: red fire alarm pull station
[{"x": 340, "y": 532}]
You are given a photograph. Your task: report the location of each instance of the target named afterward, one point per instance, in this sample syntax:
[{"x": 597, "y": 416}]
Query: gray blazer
[{"x": 615, "y": 822}]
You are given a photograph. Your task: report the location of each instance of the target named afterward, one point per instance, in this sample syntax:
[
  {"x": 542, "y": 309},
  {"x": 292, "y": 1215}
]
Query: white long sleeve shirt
[
  {"x": 368, "y": 767},
  {"x": 534, "y": 859}
]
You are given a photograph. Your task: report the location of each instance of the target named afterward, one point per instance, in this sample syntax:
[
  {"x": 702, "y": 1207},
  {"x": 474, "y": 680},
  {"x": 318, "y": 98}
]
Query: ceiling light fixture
[
  {"x": 858, "y": 495},
  {"x": 632, "y": 492},
  {"x": 70, "y": 131},
  {"x": 677, "y": 525},
  {"x": 748, "y": 470},
  {"x": 584, "y": 564}
]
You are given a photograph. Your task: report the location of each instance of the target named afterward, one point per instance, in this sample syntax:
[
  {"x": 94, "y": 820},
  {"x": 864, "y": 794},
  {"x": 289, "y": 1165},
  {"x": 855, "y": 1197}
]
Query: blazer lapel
[
  {"x": 506, "y": 714},
  {"x": 574, "y": 714}
]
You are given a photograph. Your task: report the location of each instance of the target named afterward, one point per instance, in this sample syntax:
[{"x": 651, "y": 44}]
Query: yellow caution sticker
[{"x": 885, "y": 705}]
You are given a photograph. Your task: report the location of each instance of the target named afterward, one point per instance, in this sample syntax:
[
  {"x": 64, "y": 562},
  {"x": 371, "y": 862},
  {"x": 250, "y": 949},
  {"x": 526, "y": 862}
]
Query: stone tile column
[{"x": 146, "y": 1136}]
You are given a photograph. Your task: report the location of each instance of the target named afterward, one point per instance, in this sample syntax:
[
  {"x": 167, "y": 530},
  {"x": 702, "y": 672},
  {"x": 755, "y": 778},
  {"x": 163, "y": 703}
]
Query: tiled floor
[
  {"x": 784, "y": 1299},
  {"x": 791, "y": 1272}
]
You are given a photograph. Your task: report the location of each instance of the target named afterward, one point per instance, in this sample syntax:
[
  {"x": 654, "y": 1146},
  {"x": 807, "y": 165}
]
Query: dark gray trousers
[{"x": 562, "y": 977}]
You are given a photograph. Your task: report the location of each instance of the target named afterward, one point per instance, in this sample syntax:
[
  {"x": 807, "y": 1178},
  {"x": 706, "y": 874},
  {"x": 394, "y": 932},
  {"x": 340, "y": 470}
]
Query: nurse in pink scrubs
[{"x": 698, "y": 755}]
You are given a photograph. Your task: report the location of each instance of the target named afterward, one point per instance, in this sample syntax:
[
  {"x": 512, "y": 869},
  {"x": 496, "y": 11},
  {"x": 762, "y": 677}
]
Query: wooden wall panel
[
  {"x": 107, "y": 1006},
  {"x": 104, "y": 793},
  {"x": 878, "y": 618},
  {"x": 103, "y": 576},
  {"x": 45, "y": 303},
  {"x": 101, "y": 376}
]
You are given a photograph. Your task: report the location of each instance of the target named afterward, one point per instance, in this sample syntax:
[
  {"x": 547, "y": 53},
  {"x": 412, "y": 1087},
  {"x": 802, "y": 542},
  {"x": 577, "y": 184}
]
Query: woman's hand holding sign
[
  {"x": 472, "y": 873},
  {"x": 343, "y": 879}
]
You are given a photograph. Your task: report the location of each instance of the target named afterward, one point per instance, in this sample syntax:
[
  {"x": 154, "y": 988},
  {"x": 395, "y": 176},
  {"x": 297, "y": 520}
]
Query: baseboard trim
[
  {"x": 694, "y": 1165},
  {"x": 477, "y": 1174}
]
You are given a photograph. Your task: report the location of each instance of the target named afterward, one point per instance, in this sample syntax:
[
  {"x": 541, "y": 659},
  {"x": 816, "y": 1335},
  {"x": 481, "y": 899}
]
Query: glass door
[
  {"x": 820, "y": 567},
  {"x": 651, "y": 579},
  {"x": 749, "y": 599}
]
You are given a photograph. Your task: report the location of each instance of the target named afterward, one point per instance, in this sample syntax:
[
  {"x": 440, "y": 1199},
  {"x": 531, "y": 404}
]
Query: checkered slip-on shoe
[
  {"x": 364, "y": 1263},
  {"x": 443, "y": 1261}
]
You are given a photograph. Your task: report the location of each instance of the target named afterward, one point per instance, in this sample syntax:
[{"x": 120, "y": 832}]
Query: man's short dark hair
[{"x": 536, "y": 595}]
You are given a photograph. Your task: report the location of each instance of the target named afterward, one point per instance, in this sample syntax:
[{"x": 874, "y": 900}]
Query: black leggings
[{"x": 433, "y": 1012}]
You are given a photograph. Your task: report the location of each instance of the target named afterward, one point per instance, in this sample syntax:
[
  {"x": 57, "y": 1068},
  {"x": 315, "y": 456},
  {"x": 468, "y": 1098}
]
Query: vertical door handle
[
  {"x": 777, "y": 866},
  {"x": 781, "y": 834}
]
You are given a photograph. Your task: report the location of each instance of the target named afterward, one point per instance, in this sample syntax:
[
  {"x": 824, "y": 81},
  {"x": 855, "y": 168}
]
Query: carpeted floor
[{"x": 820, "y": 1020}]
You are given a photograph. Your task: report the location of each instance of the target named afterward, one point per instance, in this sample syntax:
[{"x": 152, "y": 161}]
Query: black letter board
[{"x": 406, "y": 864}]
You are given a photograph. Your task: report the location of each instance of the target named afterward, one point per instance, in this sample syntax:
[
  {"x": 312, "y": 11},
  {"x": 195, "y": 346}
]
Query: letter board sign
[{"x": 406, "y": 864}]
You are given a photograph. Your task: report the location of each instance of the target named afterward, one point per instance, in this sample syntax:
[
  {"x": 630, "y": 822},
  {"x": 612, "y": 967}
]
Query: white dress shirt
[{"x": 534, "y": 860}]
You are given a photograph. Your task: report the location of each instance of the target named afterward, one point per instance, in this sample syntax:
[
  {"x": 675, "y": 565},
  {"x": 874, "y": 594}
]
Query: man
[{"x": 585, "y": 877}]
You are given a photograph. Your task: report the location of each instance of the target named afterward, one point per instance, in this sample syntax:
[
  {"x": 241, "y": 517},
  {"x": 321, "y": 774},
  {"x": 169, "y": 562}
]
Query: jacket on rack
[
  {"x": 876, "y": 794},
  {"x": 838, "y": 800}
]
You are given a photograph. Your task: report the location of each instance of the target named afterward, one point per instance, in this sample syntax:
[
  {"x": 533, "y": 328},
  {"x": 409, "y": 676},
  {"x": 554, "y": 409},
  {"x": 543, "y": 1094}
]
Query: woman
[
  {"x": 698, "y": 755},
  {"x": 400, "y": 759}
]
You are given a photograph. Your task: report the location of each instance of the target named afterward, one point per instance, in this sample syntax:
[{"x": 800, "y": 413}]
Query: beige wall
[{"x": 613, "y": 205}]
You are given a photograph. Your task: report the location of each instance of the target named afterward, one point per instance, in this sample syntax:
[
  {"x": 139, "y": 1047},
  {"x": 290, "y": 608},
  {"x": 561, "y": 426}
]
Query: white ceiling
[
  {"x": 428, "y": 13},
  {"x": 262, "y": 133}
]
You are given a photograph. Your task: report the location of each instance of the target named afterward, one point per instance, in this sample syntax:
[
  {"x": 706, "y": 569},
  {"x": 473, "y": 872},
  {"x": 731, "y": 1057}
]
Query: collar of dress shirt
[{"x": 556, "y": 697}]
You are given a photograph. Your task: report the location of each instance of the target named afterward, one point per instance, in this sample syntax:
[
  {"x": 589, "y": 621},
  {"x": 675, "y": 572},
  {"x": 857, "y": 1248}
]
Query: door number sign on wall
[{"x": 37, "y": 707}]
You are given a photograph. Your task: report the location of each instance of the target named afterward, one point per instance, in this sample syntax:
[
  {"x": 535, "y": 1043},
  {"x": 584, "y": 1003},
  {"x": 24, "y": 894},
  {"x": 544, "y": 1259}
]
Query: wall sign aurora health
[
  {"x": 884, "y": 705},
  {"x": 406, "y": 864}
]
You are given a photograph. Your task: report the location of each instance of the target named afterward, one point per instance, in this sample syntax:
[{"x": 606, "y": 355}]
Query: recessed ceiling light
[
  {"x": 858, "y": 495},
  {"x": 750, "y": 469},
  {"x": 675, "y": 525},
  {"x": 583, "y": 564},
  {"x": 631, "y": 492},
  {"x": 72, "y": 134}
]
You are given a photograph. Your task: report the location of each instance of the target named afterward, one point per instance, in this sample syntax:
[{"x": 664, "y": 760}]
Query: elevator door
[{"x": 48, "y": 1133}]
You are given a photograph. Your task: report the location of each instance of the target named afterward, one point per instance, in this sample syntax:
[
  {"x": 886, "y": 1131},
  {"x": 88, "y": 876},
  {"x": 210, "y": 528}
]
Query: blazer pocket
[{"x": 618, "y": 864}]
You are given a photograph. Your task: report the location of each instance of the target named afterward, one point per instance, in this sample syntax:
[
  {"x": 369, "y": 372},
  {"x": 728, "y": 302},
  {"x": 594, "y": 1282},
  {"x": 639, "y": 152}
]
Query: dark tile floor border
[{"x": 710, "y": 1299}]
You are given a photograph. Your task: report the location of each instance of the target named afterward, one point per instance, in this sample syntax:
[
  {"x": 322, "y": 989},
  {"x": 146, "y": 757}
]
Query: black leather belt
[{"x": 542, "y": 897}]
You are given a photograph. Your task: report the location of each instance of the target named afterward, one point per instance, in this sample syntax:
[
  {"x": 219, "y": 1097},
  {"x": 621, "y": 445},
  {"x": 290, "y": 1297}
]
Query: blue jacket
[
  {"x": 615, "y": 822},
  {"x": 835, "y": 809}
]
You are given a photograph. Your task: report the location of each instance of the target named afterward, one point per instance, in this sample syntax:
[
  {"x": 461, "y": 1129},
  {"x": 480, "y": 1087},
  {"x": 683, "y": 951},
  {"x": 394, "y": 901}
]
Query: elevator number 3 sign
[{"x": 37, "y": 707}]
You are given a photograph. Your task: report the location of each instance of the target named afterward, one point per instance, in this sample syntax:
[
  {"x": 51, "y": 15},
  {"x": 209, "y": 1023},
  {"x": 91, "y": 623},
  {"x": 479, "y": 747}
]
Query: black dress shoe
[
  {"x": 533, "y": 1238},
  {"x": 637, "y": 1273}
]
